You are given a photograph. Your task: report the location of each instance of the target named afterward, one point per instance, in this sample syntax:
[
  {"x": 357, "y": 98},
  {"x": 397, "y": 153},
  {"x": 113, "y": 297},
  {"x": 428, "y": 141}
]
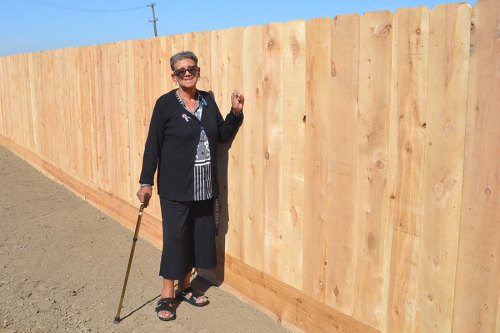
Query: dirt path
[{"x": 62, "y": 264}]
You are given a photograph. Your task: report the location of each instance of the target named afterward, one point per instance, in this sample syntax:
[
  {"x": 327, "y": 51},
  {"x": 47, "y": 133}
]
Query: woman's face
[{"x": 186, "y": 73}]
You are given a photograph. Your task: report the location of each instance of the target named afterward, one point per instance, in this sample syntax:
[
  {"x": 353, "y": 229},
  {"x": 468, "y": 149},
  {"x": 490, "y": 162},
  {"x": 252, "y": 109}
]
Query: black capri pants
[{"x": 188, "y": 237}]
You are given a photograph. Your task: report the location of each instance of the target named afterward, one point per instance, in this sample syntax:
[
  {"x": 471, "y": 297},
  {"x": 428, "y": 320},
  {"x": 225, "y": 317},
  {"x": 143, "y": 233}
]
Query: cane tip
[{"x": 117, "y": 320}]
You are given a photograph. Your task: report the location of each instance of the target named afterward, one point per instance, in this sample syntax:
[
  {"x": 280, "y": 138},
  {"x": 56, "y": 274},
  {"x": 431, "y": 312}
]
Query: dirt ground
[{"x": 62, "y": 265}]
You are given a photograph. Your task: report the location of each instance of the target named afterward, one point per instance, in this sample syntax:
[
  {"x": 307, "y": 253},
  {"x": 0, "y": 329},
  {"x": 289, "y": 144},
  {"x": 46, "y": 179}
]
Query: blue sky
[{"x": 33, "y": 25}]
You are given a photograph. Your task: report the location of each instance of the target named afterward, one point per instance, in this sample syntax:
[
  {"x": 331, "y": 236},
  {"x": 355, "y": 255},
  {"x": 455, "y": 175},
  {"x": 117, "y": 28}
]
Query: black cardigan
[{"x": 172, "y": 140}]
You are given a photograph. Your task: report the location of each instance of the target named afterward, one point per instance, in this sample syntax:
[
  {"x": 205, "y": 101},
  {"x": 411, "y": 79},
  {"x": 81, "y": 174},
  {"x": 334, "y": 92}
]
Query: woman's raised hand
[{"x": 237, "y": 101}]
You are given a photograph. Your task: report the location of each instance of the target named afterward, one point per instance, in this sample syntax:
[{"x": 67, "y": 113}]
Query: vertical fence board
[
  {"x": 120, "y": 120},
  {"x": 178, "y": 43},
  {"x": 4, "y": 95},
  {"x": 236, "y": 152},
  {"x": 373, "y": 237},
  {"x": 104, "y": 135},
  {"x": 161, "y": 83},
  {"x": 10, "y": 119},
  {"x": 190, "y": 42},
  {"x": 77, "y": 159},
  {"x": 477, "y": 305},
  {"x": 253, "y": 137},
  {"x": 72, "y": 79},
  {"x": 444, "y": 152},
  {"x": 408, "y": 123},
  {"x": 294, "y": 111},
  {"x": 203, "y": 51},
  {"x": 134, "y": 164},
  {"x": 31, "y": 107},
  {"x": 345, "y": 62},
  {"x": 97, "y": 106},
  {"x": 51, "y": 130},
  {"x": 34, "y": 106},
  {"x": 88, "y": 115},
  {"x": 156, "y": 73},
  {"x": 317, "y": 140},
  {"x": 7, "y": 93},
  {"x": 38, "y": 72},
  {"x": 218, "y": 70},
  {"x": 272, "y": 67},
  {"x": 23, "y": 124},
  {"x": 232, "y": 61},
  {"x": 63, "y": 155},
  {"x": 161, "y": 80},
  {"x": 63, "y": 100}
]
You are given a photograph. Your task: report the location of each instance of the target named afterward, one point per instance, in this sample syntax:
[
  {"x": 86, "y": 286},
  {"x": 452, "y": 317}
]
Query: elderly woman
[{"x": 185, "y": 127}]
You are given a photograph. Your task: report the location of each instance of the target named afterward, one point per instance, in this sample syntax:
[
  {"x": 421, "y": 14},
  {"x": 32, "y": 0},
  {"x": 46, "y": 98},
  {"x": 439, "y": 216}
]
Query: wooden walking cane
[{"x": 136, "y": 234}]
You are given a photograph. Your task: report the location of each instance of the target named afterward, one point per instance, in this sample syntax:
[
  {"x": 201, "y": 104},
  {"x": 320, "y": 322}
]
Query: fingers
[
  {"x": 242, "y": 99},
  {"x": 147, "y": 196},
  {"x": 237, "y": 99},
  {"x": 144, "y": 194}
]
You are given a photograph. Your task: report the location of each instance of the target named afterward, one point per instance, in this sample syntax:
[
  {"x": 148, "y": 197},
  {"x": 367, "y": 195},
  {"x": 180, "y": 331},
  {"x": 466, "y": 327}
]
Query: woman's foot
[
  {"x": 191, "y": 296},
  {"x": 165, "y": 308}
]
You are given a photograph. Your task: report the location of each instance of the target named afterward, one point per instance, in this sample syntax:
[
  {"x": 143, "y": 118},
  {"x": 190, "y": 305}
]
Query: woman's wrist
[{"x": 238, "y": 114}]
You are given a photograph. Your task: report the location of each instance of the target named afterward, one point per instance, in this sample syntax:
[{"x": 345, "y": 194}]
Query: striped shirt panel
[{"x": 203, "y": 189}]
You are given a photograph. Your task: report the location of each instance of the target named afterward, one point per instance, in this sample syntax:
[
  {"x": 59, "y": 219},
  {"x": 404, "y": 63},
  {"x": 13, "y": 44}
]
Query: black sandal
[
  {"x": 181, "y": 295},
  {"x": 168, "y": 305}
]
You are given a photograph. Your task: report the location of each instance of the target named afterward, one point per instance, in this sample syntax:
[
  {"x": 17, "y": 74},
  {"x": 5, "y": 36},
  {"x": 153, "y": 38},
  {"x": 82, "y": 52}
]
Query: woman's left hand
[{"x": 237, "y": 101}]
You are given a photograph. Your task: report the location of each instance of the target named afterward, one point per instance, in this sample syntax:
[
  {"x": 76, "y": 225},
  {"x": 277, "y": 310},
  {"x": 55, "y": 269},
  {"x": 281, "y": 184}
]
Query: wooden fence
[{"x": 361, "y": 193}]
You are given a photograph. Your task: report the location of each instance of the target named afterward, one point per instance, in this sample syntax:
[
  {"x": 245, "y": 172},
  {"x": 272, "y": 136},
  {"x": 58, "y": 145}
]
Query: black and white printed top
[{"x": 202, "y": 163}]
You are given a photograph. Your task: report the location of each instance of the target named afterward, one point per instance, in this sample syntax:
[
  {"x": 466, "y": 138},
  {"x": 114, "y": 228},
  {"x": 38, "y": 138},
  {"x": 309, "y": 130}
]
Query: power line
[{"x": 80, "y": 9}]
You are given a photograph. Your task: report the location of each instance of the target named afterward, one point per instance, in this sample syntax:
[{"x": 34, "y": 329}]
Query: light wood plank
[
  {"x": 88, "y": 115},
  {"x": 443, "y": 170},
  {"x": 292, "y": 307},
  {"x": 272, "y": 91},
  {"x": 233, "y": 46},
  {"x": 203, "y": 51},
  {"x": 76, "y": 135},
  {"x": 254, "y": 158},
  {"x": 292, "y": 188},
  {"x": 38, "y": 99},
  {"x": 51, "y": 130},
  {"x": 4, "y": 103},
  {"x": 477, "y": 306},
  {"x": 178, "y": 44},
  {"x": 218, "y": 70},
  {"x": 105, "y": 151},
  {"x": 145, "y": 101},
  {"x": 374, "y": 234},
  {"x": 317, "y": 186},
  {"x": 190, "y": 42},
  {"x": 408, "y": 124},
  {"x": 22, "y": 124},
  {"x": 344, "y": 166},
  {"x": 34, "y": 106},
  {"x": 60, "y": 111},
  {"x": 120, "y": 121}
]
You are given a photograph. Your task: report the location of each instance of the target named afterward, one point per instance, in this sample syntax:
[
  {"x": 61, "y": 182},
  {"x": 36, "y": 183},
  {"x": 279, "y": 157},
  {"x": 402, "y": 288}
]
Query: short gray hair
[{"x": 182, "y": 55}]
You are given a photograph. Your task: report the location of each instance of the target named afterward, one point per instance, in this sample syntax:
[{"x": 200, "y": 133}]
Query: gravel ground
[{"x": 62, "y": 265}]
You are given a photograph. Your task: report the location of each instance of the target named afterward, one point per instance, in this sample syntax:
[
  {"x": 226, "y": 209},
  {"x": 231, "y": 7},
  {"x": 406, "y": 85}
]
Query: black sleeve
[
  {"x": 152, "y": 148},
  {"x": 227, "y": 127}
]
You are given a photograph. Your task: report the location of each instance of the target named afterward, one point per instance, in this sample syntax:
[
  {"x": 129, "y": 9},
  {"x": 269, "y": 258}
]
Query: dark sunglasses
[{"x": 181, "y": 72}]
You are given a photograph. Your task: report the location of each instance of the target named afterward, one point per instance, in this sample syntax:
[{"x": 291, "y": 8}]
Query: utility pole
[{"x": 152, "y": 5}]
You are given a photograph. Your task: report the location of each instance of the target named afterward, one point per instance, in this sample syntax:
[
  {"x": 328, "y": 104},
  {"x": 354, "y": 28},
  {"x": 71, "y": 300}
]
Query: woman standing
[{"x": 185, "y": 128}]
